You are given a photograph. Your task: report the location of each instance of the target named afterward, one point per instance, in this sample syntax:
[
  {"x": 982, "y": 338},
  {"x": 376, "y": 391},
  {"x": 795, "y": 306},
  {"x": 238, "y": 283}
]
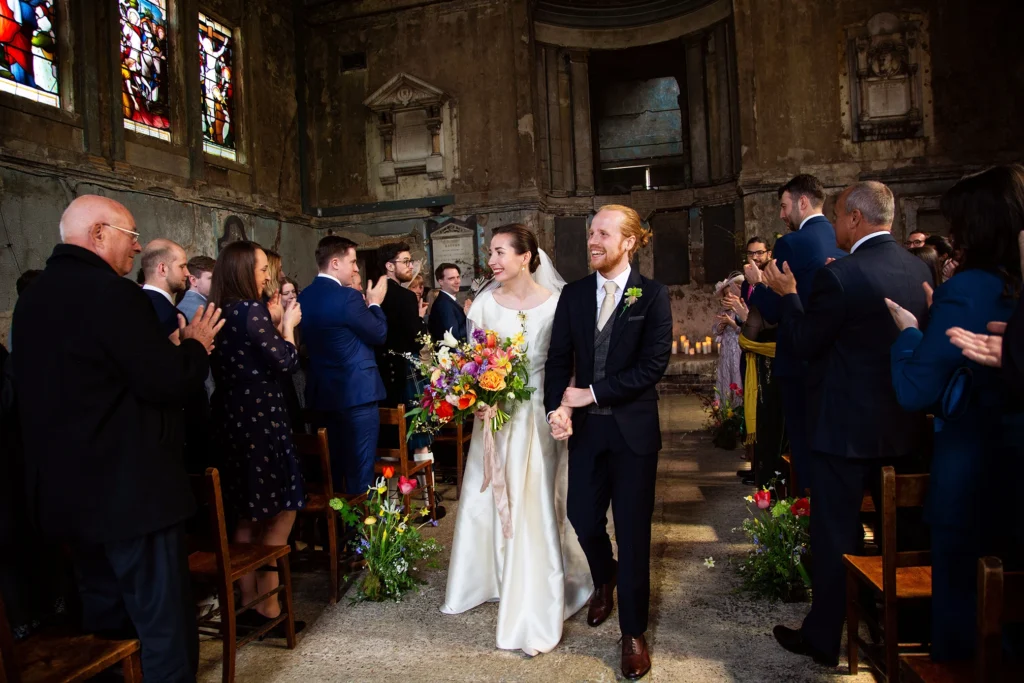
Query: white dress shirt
[
  {"x": 454, "y": 298},
  {"x": 865, "y": 238},
  {"x": 331, "y": 277},
  {"x": 157, "y": 289},
  {"x": 809, "y": 218},
  {"x": 620, "y": 280}
]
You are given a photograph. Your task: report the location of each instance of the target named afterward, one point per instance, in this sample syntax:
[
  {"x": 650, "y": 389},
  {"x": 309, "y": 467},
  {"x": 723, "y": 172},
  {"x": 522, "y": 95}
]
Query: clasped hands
[{"x": 561, "y": 419}]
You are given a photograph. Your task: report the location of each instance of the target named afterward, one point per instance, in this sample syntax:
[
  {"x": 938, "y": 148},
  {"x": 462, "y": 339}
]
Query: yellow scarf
[{"x": 752, "y": 348}]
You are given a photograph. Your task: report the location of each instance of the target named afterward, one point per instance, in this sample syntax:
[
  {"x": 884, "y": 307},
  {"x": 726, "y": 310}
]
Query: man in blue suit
[
  {"x": 340, "y": 331},
  {"x": 809, "y": 245},
  {"x": 447, "y": 313},
  {"x": 165, "y": 269}
]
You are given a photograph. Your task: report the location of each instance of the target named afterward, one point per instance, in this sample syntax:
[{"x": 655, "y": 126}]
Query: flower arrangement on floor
[
  {"x": 461, "y": 378},
  {"x": 389, "y": 544},
  {"x": 780, "y": 531},
  {"x": 725, "y": 417}
]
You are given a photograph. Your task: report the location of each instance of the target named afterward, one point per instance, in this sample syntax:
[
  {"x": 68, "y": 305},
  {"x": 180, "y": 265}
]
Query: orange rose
[
  {"x": 492, "y": 381},
  {"x": 467, "y": 400}
]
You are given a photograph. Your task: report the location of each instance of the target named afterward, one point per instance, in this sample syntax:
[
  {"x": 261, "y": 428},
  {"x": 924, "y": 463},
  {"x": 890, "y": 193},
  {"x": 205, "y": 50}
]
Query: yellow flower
[
  {"x": 384, "y": 537},
  {"x": 382, "y": 490},
  {"x": 435, "y": 376},
  {"x": 749, "y": 499},
  {"x": 492, "y": 381},
  {"x": 401, "y": 528},
  {"x": 370, "y": 520},
  {"x": 728, "y": 413},
  {"x": 406, "y": 518},
  {"x": 518, "y": 340}
]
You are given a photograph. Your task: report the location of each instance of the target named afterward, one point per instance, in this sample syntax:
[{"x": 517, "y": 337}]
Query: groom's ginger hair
[{"x": 630, "y": 226}]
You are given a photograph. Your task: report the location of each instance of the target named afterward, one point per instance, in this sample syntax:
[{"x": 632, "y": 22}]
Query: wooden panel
[
  {"x": 671, "y": 247},
  {"x": 571, "y": 247},
  {"x": 697, "y": 112},
  {"x": 720, "y": 255}
]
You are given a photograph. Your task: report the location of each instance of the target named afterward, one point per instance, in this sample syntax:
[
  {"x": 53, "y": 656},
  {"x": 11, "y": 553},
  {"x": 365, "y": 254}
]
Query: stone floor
[{"x": 701, "y": 630}]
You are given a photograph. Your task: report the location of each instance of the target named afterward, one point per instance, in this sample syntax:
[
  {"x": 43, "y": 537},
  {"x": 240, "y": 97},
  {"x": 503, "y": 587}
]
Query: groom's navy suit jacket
[
  {"x": 640, "y": 348},
  {"x": 339, "y": 332}
]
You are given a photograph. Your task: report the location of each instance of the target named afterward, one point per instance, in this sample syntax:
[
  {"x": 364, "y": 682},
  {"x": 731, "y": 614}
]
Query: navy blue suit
[
  {"x": 856, "y": 425},
  {"x": 343, "y": 383},
  {"x": 445, "y": 315},
  {"x": 166, "y": 312},
  {"x": 806, "y": 251},
  {"x": 973, "y": 450}
]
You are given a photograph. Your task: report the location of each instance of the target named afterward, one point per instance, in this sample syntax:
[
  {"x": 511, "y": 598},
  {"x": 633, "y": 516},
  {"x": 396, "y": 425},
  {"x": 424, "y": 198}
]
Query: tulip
[
  {"x": 389, "y": 471},
  {"x": 370, "y": 521},
  {"x": 801, "y": 507},
  {"x": 763, "y": 498},
  {"x": 406, "y": 486},
  {"x": 449, "y": 340}
]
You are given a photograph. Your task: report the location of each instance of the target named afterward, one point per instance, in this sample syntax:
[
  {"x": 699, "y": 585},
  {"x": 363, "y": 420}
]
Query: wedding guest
[
  {"x": 916, "y": 239},
  {"x": 417, "y": 287},
  {"x": 931, "y": 259},
  {"x": 726, "y": 331},
  {"x": 759, "y": 255},
  {"x": 809, "y": 244},
  {"x": 405, "y": 326},
  {"x": 110, "y": 481},
  {"x": 447, "y": 313},
  {"x": 276, "y": 273},
  {"x": 945, "y": 250},
  {"x": 20, "y": 285},
  {"x": 200, "y": 279},
  {"x": 289, "y": 292},
  {"x": 976, "y": 431},
  {"x": 855, "y": 423},
  {"x": 357, "y": 282},
  {"x": 262, "y": 476},
  {"x": 165, "y": 269},
  {"x": 343, "y": 384}
]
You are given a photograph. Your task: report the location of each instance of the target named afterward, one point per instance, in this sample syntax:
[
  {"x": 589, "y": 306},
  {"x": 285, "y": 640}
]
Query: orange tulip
[{"x": 389, "y": 471}]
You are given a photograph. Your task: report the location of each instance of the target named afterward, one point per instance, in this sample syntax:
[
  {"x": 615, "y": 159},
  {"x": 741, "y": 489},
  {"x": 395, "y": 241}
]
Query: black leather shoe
[
  {"x": 749, "y": 482},
  {"x": 793, "y": 640},
  {"x": 744, "y": 473}
]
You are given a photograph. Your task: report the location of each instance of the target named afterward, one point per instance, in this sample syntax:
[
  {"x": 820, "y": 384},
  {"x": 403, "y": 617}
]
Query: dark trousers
[
  {"x": 794, "y": 407},
  {"x": 955, "y": 554},
  {"x": 352, "y": 437},
  {"x": 603, "y": 469},
  {"x": 839, "y": 485},
  {"x": 140, "y": 587}
]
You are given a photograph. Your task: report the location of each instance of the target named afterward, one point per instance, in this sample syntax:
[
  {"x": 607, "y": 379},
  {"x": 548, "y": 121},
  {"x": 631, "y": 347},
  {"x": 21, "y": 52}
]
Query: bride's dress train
[{"x": 539, "y": 576}]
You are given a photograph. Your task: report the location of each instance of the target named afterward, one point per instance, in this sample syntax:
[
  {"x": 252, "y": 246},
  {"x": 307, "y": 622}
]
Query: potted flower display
[{"x": 725, "y": 417}]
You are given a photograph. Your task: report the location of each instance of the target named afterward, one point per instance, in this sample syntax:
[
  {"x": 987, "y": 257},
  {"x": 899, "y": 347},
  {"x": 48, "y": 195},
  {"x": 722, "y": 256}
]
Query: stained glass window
[
  {"x": 28, "y": 49},
  {"x": 217, "y": 77},
  {"x": 144, "y": 89}
]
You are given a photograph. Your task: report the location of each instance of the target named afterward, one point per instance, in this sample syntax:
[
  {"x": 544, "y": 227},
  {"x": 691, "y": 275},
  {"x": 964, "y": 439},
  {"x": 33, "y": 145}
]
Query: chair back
[
  {"x": 1000, "y": 602},
  {"x": 209, "y": 532},
  {"x": 8, "y": 667},
  {"x": 899, "y": 491},
  {"x": 396, "y": 417},
  {"x": 315, "y": 456}
]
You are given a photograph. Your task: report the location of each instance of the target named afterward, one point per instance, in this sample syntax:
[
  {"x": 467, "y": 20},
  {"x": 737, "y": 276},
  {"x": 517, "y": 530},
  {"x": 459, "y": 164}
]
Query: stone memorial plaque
[
  {"x": 455, "y": 244},
  {"x": 888, "y": 97}
]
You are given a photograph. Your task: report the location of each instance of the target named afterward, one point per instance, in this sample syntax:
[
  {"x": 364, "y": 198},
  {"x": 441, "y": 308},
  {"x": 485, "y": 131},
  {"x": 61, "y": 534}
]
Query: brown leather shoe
[
  {"x": 603, "y": 601},
  {"x": 636, "y": 660}
]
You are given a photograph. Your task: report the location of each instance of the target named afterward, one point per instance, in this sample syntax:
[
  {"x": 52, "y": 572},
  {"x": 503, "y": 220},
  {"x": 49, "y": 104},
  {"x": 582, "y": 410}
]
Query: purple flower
[
  {"x": 433, "y": 522},
  {"x": 470, "y": 368},
  {"x": 479, "y": 336}
]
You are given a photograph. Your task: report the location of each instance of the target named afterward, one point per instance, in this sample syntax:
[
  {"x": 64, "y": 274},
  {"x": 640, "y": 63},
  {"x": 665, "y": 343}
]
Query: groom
[{"x": 613, "y": 331}]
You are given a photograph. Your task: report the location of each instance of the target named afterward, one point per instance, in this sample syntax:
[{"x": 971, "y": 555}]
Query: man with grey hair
[{"x": 855, "y": 424}]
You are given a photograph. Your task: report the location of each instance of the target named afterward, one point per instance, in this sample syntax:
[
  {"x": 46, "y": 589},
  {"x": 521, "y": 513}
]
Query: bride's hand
[{"x": 481, "y": 411}]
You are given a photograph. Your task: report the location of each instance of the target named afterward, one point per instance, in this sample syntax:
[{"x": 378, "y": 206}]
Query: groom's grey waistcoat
[{"x": 602, "y": 340}]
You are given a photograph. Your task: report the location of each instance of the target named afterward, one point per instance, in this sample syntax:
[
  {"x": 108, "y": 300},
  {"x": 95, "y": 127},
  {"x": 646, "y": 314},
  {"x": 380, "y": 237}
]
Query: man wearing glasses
[
  {"x": 758, "y": 254},
  {"x": 915, "y": 239}
]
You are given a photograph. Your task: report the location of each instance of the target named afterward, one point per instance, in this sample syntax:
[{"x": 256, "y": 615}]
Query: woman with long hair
[
  {"x": 975, "y": 408},
  {"x": 262, "y": 477}
]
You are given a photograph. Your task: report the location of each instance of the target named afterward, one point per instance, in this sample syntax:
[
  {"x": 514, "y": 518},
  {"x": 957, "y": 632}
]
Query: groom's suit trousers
[{"x": 603, "y": 469}]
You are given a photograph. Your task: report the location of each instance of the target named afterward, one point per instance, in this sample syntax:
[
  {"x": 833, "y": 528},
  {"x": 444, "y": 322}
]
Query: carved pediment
[{"x": 405, "y": 90}]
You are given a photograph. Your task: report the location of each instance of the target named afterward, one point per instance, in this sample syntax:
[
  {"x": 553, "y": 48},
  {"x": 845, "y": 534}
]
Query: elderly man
[
  {"x": 165, "y": 269},
  {"x": 855, "y": 424},
  {"x": 100, "y": 398}
]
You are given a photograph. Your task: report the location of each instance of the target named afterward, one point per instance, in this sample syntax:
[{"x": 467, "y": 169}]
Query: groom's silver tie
[{"x": 608, "y": 305}]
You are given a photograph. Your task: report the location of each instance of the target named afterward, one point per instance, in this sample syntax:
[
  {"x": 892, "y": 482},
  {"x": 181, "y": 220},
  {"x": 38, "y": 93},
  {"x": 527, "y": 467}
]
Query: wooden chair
[
  {"x": 63, "y": 657},
  {"x": 315, "y": 453},
  {"x": 895, "y": 576},
  {"x": 213, "y": 559},
  {"x": 1000, "y": 602},
  {"x": 460, "y": 435},
  {"x": 399, "y": 458}
]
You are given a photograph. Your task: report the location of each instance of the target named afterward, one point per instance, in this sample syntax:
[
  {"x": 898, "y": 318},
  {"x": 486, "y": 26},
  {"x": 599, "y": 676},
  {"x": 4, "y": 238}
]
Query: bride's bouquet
[{"x": 487, "y": 374}]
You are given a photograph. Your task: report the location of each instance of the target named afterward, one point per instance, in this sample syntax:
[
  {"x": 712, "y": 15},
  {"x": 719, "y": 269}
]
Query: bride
[{"x": 513, "y": 543}]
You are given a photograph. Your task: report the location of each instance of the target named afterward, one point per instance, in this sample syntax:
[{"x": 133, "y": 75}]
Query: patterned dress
[{"x": 261, "y": 472}]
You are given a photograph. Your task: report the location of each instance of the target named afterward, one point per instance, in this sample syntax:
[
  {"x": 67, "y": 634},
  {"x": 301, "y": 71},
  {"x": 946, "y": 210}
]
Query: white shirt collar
[
  {"x": 865, "y": 238},
  {"x": 329, "y": 277},
  {"x": 809, "y": 218},
  {"x": 157, "y": 289},
  {"x": 620, "y": 280},
  {"x": 454, "y": 298}
]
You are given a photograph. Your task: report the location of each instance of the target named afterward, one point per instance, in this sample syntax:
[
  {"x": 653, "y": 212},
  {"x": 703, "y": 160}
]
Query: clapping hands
[
  {"x": 738, "y": 306},
  {"x": 783, "y": 281}
]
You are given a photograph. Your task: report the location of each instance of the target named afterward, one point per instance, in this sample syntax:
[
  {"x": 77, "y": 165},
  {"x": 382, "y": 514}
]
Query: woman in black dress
[{"x": 261, "y": 473}]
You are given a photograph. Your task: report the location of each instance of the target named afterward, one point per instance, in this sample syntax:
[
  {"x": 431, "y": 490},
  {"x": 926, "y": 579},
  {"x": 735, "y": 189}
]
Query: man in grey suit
[{"x": 200, "y": 278}]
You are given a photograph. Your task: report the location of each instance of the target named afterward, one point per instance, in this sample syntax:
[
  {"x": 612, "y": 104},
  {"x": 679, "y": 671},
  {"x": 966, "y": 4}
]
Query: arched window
[{"x": 28, "y": 50}]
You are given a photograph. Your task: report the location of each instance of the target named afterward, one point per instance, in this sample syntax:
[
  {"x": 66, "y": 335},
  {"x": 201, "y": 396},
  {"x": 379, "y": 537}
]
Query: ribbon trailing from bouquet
[
  {"x": 752, "y": 348},
  {"x": 494, "y": 473}
]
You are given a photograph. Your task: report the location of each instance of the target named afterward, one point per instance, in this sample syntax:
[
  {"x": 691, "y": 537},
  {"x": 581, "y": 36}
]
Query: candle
[
  {"x": 707, "y": 347},
  {"x": 693, "y": 351},
  {"x": 719, "y": 349},
  {"x": 675, "y": 348}
]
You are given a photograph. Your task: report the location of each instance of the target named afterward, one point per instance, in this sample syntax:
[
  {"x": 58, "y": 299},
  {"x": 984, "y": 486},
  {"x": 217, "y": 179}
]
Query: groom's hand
[
  {"x": 577, "y": 397},
  {"x": 561, "y": 423}
]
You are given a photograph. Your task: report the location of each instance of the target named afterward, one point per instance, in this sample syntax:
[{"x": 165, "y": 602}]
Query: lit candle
[
  {"x": 675, "y": 348},
  {"x": 719, "y": 349},
  {"x": 693, "y": 351}
]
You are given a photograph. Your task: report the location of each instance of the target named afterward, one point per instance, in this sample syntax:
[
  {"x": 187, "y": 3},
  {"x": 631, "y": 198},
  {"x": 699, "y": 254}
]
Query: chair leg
[
  {"x": 286, "y": 579},
  {"x": 132, "y": 668},
  {"x": 430, "y": 492},
  {"x": 332, "y": 550},
  {"x": 892, "y": 641},
  {"x": 228, "y": 632},
  {"x": 852, "y": 621}
]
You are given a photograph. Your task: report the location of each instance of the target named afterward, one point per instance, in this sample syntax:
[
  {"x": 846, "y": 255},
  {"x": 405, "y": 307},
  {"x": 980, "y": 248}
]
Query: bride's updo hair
[{"x": 523, "y": 240}]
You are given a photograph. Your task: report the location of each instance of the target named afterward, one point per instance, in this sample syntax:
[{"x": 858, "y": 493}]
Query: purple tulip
[{"x": 470, "y": 368}]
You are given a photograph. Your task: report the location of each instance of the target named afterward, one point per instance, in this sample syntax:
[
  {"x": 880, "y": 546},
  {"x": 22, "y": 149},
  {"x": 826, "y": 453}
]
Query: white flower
[
  {"x": 783, "y": 481},
  {"x": 444, "y": 357},
  {"x": 450, "y": 340},
  {"x": 401, "y": 566},
  {"x": 453, "y": 399},
  {"x": 709, "y": 562},
  {"x": 511, "y": 396},
  {"x": 777, "y": 473}
]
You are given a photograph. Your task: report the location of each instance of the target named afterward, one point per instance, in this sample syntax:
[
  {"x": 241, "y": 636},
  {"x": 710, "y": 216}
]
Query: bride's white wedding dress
[{"x": 540, "y": 575}]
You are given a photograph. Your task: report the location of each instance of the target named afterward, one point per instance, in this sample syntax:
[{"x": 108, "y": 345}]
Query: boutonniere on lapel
[{"x": 631, "y": 297}]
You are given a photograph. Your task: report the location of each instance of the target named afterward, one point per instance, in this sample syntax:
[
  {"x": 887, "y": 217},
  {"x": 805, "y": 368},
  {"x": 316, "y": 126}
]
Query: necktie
[{"x": 608, "y": 305}]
